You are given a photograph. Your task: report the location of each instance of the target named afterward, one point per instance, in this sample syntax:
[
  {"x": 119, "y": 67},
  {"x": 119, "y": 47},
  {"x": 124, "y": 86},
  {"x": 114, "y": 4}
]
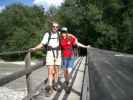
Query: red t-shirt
[{"x": 66, "y": 43}]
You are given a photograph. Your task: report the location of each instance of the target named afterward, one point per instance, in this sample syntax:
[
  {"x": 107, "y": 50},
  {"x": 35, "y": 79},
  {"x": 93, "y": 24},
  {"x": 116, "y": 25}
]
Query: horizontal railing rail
[
  {"x": 13, "y": 52},
  {"x": 8, "y": 78},
  {"x": 27, "y": 71},
  {"x": 24, "y": 72}
]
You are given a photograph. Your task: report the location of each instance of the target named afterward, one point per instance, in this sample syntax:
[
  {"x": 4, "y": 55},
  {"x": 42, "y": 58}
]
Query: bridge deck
[
  {"x": 108, "y": 76},
  {"x": 75, "y": 94}
]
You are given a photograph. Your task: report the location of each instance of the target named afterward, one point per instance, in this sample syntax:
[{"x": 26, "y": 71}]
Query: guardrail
[
  {"x": 27, "y": 71},
  {"x": 85, "y": 94},
  {"x": 107, "y": 76}
]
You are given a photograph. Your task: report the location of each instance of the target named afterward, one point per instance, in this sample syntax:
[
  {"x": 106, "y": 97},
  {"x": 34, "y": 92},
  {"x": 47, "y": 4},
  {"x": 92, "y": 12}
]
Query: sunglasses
[{"x": 55, "y": 26}]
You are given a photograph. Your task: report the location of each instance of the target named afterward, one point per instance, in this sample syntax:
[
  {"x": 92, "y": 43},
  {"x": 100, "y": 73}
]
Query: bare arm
[
  {"x": 39, "y": 46},
  {"x": 82, "y": 45},
  {"x": 78, "y": 43}
]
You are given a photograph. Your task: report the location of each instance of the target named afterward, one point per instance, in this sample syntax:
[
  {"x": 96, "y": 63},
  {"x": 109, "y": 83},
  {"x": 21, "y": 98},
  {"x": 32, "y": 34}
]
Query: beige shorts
[{"x": 50, "y": 58}]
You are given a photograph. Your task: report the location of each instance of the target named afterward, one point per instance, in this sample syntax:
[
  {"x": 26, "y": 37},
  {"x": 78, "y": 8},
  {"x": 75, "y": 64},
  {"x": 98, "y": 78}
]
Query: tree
[
  {"x": 104, "y": 23},
  {"x": 21, "y": 27}
]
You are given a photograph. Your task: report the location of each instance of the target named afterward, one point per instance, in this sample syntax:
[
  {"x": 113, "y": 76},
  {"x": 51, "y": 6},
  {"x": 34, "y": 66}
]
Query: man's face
[{"x": 55, "y": 27}]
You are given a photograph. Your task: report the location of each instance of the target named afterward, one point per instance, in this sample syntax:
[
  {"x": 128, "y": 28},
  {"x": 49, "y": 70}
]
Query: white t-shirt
[{"x": 54, "y": 40}]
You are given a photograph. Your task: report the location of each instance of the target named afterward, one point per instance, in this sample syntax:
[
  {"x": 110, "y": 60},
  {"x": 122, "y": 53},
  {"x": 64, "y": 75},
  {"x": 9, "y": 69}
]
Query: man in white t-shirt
[{"x": 53, "y": 56}]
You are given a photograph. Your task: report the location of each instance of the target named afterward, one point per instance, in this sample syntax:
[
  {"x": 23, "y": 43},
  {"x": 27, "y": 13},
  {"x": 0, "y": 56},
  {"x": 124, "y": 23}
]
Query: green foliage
[
  {"x": 103, "y": 23},
  {"x": 21, "y": 27}
]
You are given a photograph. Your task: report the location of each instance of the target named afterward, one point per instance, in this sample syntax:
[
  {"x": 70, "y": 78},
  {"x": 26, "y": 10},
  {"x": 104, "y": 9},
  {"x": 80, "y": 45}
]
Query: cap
[{"x": 64, "y": 29}]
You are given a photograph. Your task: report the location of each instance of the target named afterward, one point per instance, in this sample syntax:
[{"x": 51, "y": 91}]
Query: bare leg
[
  {"x": 56, "y": 75},
  {"x": 50, "y": 74},
  {"x": 66, "y": 74}
]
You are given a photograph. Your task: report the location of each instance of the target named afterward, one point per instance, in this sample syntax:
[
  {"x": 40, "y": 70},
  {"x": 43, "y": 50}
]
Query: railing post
[
  {"x": 85, "y": 94},
  {"x": 28, "y": 78},
  {"x": 77, "y": 52}
]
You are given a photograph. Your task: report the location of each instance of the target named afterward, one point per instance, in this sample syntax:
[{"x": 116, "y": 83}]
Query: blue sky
[
  {"x": 7, "y": 2},
  {"x": 44, "y": 3}
]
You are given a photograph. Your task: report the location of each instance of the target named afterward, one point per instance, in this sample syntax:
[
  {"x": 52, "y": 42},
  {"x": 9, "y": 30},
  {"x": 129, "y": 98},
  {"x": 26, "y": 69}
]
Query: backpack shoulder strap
[
  {"x": 58, "y": 33},
  {"x": 58, "y": 36},
  {"x": 49, "y": 37}
]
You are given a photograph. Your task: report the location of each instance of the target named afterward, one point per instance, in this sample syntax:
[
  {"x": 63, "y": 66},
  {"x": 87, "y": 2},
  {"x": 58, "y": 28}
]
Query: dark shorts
[{"x": 68, "y": 62}]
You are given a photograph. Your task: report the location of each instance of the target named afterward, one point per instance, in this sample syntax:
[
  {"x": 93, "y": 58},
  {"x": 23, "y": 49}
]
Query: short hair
[{"x": 56, "y": 23}]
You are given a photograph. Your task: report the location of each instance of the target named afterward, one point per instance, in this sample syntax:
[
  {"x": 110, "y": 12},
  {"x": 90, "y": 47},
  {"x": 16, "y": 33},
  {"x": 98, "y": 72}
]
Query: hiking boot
[
  {"x": 57, "y": 87},
  {"x": 66, "y": 84},
  {"x": 49, "y": 91},
  {"x": 67, "y": 87}
]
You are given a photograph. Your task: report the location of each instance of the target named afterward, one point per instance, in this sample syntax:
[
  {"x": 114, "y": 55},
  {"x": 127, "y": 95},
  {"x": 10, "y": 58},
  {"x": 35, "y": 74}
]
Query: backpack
[
  {"x": 49, "y": 37},
  {"x": 49, "y": 47}
]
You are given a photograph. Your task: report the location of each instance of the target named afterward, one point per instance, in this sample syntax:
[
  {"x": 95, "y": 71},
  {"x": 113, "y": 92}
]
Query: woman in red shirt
[{"x": 67, "y": 41}]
